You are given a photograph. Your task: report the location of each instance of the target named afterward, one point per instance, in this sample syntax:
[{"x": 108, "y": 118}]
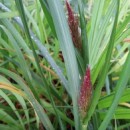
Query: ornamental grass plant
[{"x": 64, "y": 65}]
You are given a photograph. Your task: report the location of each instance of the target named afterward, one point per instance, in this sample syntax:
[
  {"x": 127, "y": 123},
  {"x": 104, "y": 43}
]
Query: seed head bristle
[{"x": 85, "y": 93}]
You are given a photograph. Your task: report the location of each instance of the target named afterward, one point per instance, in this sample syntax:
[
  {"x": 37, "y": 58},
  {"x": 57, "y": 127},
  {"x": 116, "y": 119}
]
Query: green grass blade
[
  {"x": 24, "y": 106},
  {"x": 95, "y": 22},
  {"x": 7, "y": 127},
  {"x": 81, "y": 64},
  {"x": 17, "y": 36},
  {"x": 21, "y": 59},
  {"x": 85, "y": 48},
  {"x": 122, "y": 27},
  {"x": 67, "y": 47},
  {"x": 105, "y": 21},
  {"x": 127, "y": 125},
  {"x": 98, "y": 67},
  {"x": 64, "y": 117},
  {"x": 106, "y": 101},
  {"x": 103, "y": 75},
  {"x": 45, "y": 53},
  {"x": 32, "y": 21},
  {"x": 20, "y": 7},
  {"x": 43, "y": 50},
  {"x": 123, "y": 36},
  {"x": 39, "y": 110},
  {"x": 121, "y": 85},
  {"x": 46, "y": 11},
  {"x": 5, "y": 117},
  {"x": 8, "y": 100},
  {"x": 22, "y": 13}
]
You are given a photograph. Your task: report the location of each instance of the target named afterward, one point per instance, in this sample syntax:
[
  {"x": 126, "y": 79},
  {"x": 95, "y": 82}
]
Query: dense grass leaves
[
  {"x": 45, "y": 47},
  {"x": 64, "y": 37},
  {"x": 104, "y": 72}
]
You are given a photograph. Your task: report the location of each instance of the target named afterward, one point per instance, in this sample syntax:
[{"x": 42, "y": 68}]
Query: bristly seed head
[
  {"x": 73, "y": 25},
  {"x": 85, "y": 93}
]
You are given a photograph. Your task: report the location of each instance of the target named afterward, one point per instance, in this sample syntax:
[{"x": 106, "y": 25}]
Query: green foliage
[{"x": 41, "y": 71}]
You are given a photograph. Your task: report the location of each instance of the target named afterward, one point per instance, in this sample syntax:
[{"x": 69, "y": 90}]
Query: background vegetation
[{"x": 41, "y": 71}]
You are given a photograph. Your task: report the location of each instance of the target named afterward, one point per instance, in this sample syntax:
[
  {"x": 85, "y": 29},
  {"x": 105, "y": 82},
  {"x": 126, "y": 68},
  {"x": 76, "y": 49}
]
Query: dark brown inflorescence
[
  {"x": 74, "y": 27},
  {"x": 85, "y": 93}
]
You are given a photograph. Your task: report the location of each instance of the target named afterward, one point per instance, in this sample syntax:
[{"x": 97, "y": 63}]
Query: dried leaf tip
[{"x": 85, "y": 93}]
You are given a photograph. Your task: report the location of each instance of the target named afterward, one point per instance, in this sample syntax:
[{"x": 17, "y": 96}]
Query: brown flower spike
[
  {"x": 73, "y": 25},
  {"x": 85, "y": 93}
]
